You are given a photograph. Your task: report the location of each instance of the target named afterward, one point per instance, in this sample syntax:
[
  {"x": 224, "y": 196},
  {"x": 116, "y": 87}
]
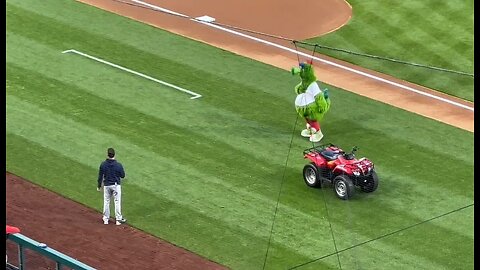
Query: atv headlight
[{"x": 356, "y": 173}]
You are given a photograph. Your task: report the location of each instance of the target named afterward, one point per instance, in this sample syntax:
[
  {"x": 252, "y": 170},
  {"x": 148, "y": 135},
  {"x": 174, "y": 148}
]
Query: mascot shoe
[
  {"x": 316, "y": 137},
  {"x": 308, "y": 132}
]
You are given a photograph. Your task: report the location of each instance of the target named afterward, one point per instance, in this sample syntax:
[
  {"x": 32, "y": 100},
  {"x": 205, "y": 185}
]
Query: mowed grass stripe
[
  {"x": 422, "y": 32},
  {"x": 57, "y": 91},
  {"x": 72, "y": 95},
  {"x": 191, "y": 188},
  {"x": 142, "y": 129},
  {"x": 151, "y": 108},
  {"x": 406, "y": 39},
  {"x": 213, "y": 85},
  {"x": 152, "y": 213},
  {"x": 428, "y": 31},
  {"x": 160, "y": 204},
  {"x": 425, "y": 247},
  {"x": 428, "y": 19},
  {"x": 405, "y": 155},
  {"x": 158, "y": 42},
  {"x": 400, "y": 201},
  {"x": 363, "y": 255},
  {"x": 399, "y": 39},
  {"x": 303, "y": 234},
  {"x": 202, "y": 199},
  {"x": 353, "y": 118},
  {"x": 157, "y": 101},
  {"x": 66, "y": 87}
]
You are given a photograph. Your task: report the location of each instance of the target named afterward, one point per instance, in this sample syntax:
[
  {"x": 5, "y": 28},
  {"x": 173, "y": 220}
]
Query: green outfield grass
[
  {"x": 432, "y": 33},
  {"x": 206, "y": 174}
]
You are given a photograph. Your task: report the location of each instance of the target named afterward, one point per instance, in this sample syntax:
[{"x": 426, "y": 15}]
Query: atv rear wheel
[
  {"x": 371, "y": 184},
  {"x": 343, "y": 187},
  {"x": 311, "y": 175}
]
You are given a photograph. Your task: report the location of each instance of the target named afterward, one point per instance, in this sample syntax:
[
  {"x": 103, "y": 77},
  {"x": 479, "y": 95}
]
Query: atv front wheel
[
  {"x": 310, "y": 175},
  {"x": 371, "y": 184},
  {"x": 343, "y": 187}
]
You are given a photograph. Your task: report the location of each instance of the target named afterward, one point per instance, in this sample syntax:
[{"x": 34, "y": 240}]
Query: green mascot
[{"x": 311, "y": 103}]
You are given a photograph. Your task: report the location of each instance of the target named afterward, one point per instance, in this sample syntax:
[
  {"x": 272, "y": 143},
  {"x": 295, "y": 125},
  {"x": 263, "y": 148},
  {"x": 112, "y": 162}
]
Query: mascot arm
[
  {"x": 298, "y": 88},
  {"x": 323, "y": 105}
]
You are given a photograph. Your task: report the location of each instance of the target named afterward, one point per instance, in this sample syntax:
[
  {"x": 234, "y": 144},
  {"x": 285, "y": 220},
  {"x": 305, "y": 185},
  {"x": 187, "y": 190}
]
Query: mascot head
[{"x": 306, "y": 74}]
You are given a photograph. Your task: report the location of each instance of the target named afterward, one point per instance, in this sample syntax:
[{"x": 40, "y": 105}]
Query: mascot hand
[
  {"x": 325, "y": 93},
  {"x": 295, "y": 70}
]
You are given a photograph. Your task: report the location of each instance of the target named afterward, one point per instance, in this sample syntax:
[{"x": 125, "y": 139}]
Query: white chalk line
[
  {"x": 309, "y": 56},
  {"x": 195, "y": 95}
]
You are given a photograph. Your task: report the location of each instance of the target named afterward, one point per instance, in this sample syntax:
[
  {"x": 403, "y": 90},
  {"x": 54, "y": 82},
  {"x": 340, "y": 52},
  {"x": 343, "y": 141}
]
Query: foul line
[
  {"x": 195, "y": 95},
  {"x": 307, "y": 55}
]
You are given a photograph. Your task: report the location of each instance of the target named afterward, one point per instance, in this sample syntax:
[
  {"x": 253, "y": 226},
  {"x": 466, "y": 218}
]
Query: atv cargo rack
[{"x": 317, "y": 149}]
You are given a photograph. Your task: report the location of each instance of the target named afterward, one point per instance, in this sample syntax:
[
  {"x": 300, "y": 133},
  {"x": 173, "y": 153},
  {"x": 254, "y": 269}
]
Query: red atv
[{"x": 331, "y": 164}]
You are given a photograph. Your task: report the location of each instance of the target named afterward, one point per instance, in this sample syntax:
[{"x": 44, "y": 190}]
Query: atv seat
[{"x": 329, "y": 155}]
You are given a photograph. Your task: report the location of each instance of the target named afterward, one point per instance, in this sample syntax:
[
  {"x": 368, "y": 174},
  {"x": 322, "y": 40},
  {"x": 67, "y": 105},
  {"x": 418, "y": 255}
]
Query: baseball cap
[{"x": 110, "y": 152}]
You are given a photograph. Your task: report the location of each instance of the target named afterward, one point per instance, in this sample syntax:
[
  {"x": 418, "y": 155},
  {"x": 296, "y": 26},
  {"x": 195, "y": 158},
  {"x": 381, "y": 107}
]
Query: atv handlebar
[{"x": 350, "y": 155}]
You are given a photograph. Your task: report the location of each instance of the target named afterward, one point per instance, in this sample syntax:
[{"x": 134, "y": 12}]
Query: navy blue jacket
[{"x": 110, "y": 172}]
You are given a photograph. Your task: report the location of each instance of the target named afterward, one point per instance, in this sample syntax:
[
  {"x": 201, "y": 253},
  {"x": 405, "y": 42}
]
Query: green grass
[
  {"x": 432, "y": 33},
  {"x": 206, "y": 174}
]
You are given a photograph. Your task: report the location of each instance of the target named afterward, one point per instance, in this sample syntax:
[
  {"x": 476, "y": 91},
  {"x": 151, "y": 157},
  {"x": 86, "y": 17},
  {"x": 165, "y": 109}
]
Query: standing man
[{"x": 110, "y": 173}]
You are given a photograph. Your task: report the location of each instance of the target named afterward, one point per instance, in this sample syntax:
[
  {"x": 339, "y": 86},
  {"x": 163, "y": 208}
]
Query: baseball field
[{"x": 211, "y": 145}]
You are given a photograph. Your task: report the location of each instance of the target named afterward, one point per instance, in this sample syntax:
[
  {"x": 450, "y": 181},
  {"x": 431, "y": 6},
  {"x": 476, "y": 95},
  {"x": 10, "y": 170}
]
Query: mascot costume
[{"x": 311, "y": 103}]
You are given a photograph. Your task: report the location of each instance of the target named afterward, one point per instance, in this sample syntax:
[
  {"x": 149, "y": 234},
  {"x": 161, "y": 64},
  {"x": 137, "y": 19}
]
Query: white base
[{"x": 206, "y": 18}]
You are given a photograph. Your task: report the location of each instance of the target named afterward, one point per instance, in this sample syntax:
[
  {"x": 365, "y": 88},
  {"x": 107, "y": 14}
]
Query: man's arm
[
  {"x": 100, "y": 176},
  {"x": 121, "y": 171}
]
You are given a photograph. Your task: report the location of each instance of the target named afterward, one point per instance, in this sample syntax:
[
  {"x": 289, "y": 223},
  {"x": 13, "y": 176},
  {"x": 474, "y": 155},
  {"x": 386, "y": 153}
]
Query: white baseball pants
[{"x": 116, "y": 192}]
